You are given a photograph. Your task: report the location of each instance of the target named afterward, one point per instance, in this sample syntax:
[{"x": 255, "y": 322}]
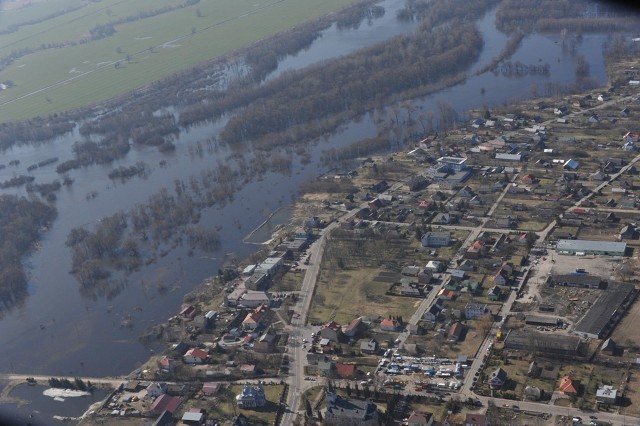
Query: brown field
[{"x": 627, "y": 333}]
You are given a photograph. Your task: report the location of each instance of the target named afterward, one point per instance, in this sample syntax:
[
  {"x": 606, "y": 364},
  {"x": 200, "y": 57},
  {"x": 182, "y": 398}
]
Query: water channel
[{"x": 58, "y": 330}]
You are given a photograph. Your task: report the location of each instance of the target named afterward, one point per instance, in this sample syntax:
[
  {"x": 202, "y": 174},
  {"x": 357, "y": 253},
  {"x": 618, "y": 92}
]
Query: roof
[
  {"x": 389, "y": 323},
  {"x": 532, "y": 341},
  {"x": 605, "y": 306},
  {"x": 606, "y": 392},
  {"x": 192, "y": 416},
  {"x": 568, "y": 385},
  {"x": 577, "y": 280},
  {"x": 455, "y": 329},
  {"x": 589, "y": 245},
  {"x": 197, "y": 352},
  {"x": 419, "y": 417},
  {"x": 346, "y": 370},
  {"x": 166, "y": 402},
  {"x": 211, "y": 387},
  {"x": 475, "y": 419}
]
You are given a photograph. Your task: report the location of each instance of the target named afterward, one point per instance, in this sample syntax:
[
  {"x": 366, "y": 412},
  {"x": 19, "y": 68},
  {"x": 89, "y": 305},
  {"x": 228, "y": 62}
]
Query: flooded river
[{"x": 59, "y": 330}]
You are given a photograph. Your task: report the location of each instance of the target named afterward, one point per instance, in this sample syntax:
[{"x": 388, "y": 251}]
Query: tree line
[{"x": 22, "y": 221}]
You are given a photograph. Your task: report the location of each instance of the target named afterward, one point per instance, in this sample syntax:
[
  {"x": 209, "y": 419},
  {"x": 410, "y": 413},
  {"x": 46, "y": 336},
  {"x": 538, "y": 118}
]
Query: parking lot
[{"x": 420, "y": 373}]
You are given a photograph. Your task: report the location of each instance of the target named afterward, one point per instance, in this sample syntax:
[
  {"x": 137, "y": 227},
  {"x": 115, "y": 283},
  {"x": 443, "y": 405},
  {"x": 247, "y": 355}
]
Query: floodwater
[
  {"x": 38, "y": 409},
  {"x": 59, "y": 330}
]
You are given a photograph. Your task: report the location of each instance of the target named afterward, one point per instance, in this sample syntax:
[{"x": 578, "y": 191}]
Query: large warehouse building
[
  {"x": 606, "y": 311},
  {"x": 584, "y": 247}
]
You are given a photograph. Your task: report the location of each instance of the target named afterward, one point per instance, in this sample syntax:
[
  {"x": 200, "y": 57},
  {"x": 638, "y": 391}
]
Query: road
[
  {"x": 113, "y": 381},
  {"x": 298, "y": 329}
]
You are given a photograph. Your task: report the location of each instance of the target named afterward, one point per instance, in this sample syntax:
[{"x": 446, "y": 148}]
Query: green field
[{"x": 58, "y": 79}]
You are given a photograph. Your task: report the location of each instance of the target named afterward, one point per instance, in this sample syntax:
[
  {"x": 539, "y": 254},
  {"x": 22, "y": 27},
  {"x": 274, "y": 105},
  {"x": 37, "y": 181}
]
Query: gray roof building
[
  {"x": 591, "y": 247},
  {"x": 578, "y": 280},
  {"x": 543, "y": 343},
  {"x": 606, "y": 311}
]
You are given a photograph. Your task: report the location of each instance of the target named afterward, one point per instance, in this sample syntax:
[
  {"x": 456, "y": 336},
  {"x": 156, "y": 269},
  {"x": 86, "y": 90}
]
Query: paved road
[{"x": 299, "y": 329}]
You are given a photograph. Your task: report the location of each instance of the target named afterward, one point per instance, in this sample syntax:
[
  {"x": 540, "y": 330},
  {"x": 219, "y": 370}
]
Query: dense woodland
[
  {"x": 22, "y": 221},
  {"x": 269, "y": 120}
]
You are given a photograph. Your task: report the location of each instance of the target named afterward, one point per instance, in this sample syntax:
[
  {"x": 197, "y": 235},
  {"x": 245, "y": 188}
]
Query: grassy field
[
  {"x": 351, "y": 293},
  {"x": 54, "y": 80}
]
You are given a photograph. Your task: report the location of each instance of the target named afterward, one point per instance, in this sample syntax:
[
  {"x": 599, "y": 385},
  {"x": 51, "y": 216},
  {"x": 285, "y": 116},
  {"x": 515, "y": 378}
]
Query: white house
[
  {"x": 475, "y": 310},
  {"x": 436, "y": 239},
  {"x": 155, "y": 389},
  {"x": 606, "y": 395},
  {"x": 251, "y": 396}
]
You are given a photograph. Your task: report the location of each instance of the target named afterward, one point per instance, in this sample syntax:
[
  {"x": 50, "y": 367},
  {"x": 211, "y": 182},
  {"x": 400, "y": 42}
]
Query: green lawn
[{"x": 85, "y": 73}]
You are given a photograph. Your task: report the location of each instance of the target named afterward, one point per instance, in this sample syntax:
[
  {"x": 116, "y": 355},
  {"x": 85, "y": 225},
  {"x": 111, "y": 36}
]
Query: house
[
  {"x": 346, "y": 371},
  {"x": 251, "y": 396},
  {"x": 253, "y": 299},
  {"x": 331, "y": 331},
  {"x": 325, "y": 345},
  {"x": 389, "y": 325},
  {"x": 609, "y": 347},
  {"x": 443, "y": 219},
  {"x": 455, "y": 331},
  {"x": 369, "y": 347},
  {"x": 165, "y": 403},
  {"x": 435, "y": 266},
  {"x": 188, "y": 312},
  {"x": 571, "y": 164},
  {"x": 420, "y": 418},
  {"x": 533, "y": 393},
  {"x": 506, "y": 221},
  {"x": 475, "y": 310},
  {"x": 497, "y": 378},
  {"x": 562, "y": 110},
  {"x": 166, "y": 364},
  {"x": 155, "y": 389},
  {"x": 195, "y": 416},
  {"x": 476, "y": 250},
  {"x": 415, "y": 329},
  {"x": 195, "y": 356},
  {"x": 433, "y": 313},
  {"x": 326, "y": 367},
  {"x": 354, "y": 327},
  {"x": 474, "y": 419},
  {"x": 466, "y": 265},
  {"x": 248, "y": 369},
  {"x": 343, "y": 411},
  {"x": 606, "y": 395},
  {"x": 410, "y": 271},
  {"x": 445, "y": 294},
  {"x": 501, "y": 277},
  {"x": 628, "y": 232},
  {"x": 534, "y": 370},
  {"x": 568, "y": 385},
  {"x": 436, "y": 239},
  {"x": 494, "y": 293},
  {"x": 211, "y": 388},
  {"x": 254, "y": 319}
]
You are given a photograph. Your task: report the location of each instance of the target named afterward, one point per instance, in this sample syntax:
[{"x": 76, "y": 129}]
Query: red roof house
[
  {"x": 165, "y": 402},
  {"x": 389, "y": 325},
  {"x": 195, "y": 356},
  {"x": 568, "y": 385},
  {"x": 346, "y": 371}
]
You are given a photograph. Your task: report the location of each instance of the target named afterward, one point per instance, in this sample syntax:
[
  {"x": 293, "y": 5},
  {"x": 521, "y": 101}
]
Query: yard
[
  {"x": 223, "y": 406},
  {"x": 347, "y": 294}
]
